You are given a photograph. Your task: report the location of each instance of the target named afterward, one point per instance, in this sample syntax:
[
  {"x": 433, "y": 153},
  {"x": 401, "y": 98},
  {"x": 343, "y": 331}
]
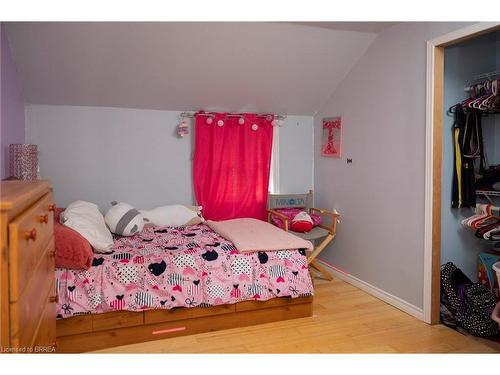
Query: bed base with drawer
[{"x": 98, "y": 331}]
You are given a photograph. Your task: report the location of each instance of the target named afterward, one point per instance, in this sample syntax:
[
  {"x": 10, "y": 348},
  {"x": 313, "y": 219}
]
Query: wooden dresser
[{"x": 27, "y": 299}]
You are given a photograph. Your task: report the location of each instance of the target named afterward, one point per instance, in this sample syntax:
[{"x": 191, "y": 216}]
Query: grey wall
[
  {"x": 11, "y": 105},
  {"x": 381, "y": 194},
  {"x": 102, "y": 154},
  {"x": 462, "y": 62}
]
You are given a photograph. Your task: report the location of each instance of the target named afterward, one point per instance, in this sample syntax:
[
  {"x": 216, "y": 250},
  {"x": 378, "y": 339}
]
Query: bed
[{"x": 170, "y": 281}]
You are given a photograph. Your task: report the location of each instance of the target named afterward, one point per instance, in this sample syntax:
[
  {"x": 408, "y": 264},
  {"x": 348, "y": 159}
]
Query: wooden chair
[{"x": 325, "y": 231}]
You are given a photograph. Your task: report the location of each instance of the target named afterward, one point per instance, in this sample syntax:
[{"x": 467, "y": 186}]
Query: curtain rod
[{"x": 278, "y": 116}]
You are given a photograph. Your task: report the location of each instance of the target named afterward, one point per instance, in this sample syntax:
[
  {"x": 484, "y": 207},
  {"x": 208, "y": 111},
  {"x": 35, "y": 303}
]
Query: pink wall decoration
[{"x": 331, "y": 142}]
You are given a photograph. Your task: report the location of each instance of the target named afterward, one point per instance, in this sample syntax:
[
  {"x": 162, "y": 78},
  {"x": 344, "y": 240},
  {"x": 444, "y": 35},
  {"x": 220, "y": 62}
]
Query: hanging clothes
[
  {"x": 463, "y": 188},
  {"x": 467, "y": 147},
  {"x": 472, "y": 146}
]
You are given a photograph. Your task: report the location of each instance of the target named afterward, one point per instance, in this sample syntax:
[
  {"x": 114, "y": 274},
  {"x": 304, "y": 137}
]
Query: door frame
[{"x": 433, "y": 160}]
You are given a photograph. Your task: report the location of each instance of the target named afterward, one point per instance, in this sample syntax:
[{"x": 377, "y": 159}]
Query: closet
[{"x": 471, "y": 156}]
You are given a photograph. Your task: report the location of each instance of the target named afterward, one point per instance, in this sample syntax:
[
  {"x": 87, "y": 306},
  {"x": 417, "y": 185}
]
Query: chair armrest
[
  {"x": 335, "y": 216},
  {"x": 280, "y": 215}
]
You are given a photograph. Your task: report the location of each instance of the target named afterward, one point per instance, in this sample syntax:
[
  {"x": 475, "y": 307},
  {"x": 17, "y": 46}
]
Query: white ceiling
[{"x": 275, "y": 67}]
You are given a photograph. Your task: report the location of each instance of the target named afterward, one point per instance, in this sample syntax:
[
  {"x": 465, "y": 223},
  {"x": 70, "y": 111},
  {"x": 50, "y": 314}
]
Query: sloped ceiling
[
  {"x": 369, "y": 27},
  {"x": 275, "y": 67}
]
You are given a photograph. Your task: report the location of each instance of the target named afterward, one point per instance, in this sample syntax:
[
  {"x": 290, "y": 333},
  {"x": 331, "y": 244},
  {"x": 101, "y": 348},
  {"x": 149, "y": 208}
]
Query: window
[{"x": 274, "y": 180}]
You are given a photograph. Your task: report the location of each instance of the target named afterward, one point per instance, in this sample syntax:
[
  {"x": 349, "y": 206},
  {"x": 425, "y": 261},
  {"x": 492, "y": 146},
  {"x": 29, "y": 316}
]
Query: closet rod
[
  {"x": 479, "y": 77},
  {"x": 278, "y": 116},
  {"x": 479, "y": 86},
  {"x": 486, "y": 75}
]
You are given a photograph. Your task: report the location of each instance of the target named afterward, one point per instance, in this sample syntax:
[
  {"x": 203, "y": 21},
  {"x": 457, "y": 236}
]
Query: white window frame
[{"x": 274, "y": 175}]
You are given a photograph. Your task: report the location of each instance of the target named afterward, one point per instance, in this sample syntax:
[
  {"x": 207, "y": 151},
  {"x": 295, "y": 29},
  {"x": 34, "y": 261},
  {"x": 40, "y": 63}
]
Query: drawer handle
[
  {"x": 170, "y": 330},
  {"x": 52, "y": 208},
  {"x": 31, "y": 235},
  {"x": 44, "y": 218},
  {"x": 54, "y": 299}
]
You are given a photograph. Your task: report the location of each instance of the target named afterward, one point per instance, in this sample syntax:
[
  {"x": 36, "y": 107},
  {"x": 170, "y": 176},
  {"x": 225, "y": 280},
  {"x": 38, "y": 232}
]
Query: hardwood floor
[{"x": 346, "y": 320}]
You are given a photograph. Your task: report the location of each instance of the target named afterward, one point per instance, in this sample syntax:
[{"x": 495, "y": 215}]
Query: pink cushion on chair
[
  {"x": 290, "y": 213},
  {"x": 72, "y": 250}
]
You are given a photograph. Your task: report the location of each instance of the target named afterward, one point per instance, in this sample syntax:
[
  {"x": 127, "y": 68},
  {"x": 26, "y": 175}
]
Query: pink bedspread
[{"x": 163, "y": 268}]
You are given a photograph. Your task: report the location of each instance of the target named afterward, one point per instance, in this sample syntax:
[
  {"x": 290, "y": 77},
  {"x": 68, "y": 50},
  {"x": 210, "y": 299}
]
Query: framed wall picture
[{"x": 331, "y": 142}]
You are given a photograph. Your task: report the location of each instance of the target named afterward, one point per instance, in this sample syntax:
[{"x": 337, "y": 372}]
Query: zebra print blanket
[{"x": 163, "y": 268}]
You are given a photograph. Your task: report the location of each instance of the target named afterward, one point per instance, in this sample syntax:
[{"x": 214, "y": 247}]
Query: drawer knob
[
  {"x": 54, "y": 299},
  {"x": 30, "y": 235},
  {"x": 52, "y": 254},
  {"x": 54, "y": 344},
  {"x": 44, "y": 218},
  {"x": 52, "y": 208}
]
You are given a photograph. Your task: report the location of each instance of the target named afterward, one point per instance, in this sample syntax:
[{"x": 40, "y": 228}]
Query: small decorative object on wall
[
  {"x": 23, "y": 161},
  {"x": 183, "y": 128},
  {"x": 331, "y": 144}
]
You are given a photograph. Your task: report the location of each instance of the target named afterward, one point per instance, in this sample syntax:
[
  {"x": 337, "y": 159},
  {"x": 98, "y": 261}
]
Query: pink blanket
[
  {"x": 189, "y": 266},
  {"x": 255, "y": 235}
]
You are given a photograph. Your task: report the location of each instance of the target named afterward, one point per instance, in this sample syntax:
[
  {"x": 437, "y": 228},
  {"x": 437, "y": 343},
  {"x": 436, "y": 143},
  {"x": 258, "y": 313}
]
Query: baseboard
[{"x": 397, "y": 302}]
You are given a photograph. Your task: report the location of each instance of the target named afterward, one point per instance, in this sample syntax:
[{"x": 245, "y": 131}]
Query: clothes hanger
[
  {"x": 493, "y": 234},
  {"x": 493, "y": 102},
  {"x": 481, "y": 104},
  {"x": 473, "y": 92},
  {"x": 482, "y": 211},
  {"x": 452, "y": 110},
  {"x": 483, "y": 93}
]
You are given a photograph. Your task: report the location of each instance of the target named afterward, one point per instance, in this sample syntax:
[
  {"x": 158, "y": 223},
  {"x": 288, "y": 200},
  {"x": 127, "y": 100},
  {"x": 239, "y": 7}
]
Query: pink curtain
[{"x": 231, "y": 166}]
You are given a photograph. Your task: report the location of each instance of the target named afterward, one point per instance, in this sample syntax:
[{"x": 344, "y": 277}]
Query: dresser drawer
[
  {"x": 45, "y": 341},
  {"x": 29, "y": 235},
  {"x": 31, "y": 306}
]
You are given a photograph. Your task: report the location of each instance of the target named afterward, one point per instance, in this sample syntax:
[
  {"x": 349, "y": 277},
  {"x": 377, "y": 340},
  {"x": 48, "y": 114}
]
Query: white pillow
[
  {"x": 86, "y": 219},
  {"x": 173, "y": 215}
]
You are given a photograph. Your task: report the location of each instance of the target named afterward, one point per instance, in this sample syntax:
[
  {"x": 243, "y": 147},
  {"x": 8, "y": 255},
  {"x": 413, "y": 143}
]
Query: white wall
[
  {"x": 296, "y": 155},
  {"x": 381, "y": 194},
  {"x": 462, "y": 62},
  {"x": 103, "y": 154}
]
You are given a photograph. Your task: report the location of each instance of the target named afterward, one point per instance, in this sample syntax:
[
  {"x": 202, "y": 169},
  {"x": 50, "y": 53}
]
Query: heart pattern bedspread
[{"x": 163, "y": 268}]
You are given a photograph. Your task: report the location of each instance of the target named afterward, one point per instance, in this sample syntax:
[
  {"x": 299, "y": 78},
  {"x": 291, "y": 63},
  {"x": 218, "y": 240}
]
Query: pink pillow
[
  {"x": 290, "y": 213},
  {"x": 72, "y": 250},
  {"x": 57, "y": 214}
]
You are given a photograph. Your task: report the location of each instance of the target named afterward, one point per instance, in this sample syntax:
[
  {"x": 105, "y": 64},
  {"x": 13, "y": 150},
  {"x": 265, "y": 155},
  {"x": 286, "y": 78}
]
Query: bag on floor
[{"x": 470, "y": 303}]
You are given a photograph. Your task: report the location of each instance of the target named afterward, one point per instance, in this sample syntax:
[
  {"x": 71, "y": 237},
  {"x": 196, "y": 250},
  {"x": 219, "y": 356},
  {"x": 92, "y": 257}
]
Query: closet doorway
[{"x": 437, "y": 188}]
